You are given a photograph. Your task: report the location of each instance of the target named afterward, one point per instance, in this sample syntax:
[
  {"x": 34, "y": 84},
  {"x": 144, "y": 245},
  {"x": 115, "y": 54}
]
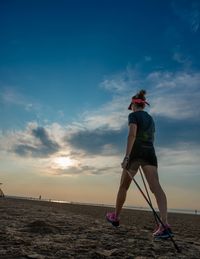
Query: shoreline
[{"x": 170, "y": 210}]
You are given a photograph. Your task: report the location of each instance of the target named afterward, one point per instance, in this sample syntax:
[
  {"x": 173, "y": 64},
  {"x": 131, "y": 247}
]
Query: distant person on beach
[
  {"x": 140, "y": 152},
  {"x": 1, "y": 193}
]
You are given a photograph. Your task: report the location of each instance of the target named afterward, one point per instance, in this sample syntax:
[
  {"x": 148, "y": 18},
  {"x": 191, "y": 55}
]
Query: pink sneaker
[
  {"x": 111, "y": 217},
  {"x": 163, "y": 233}
]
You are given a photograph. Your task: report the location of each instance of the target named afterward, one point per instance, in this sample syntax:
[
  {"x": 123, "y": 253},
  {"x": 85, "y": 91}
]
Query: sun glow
[{"x": 64, "y": 162}]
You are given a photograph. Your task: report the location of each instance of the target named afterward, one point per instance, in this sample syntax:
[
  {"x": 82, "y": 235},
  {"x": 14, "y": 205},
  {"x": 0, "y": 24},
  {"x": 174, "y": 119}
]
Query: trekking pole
[
  {"x": 158, "y": 218},
  {"x": 157, "y": 223}
]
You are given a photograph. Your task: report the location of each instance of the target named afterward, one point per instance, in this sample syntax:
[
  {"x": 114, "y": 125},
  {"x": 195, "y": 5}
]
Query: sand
[{"x": 38, "y": 229}]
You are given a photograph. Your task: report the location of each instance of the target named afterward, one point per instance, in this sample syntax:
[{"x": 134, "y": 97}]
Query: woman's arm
[
  {"x": 131, "y": 138},
  {"x": 130, "y": 142}
]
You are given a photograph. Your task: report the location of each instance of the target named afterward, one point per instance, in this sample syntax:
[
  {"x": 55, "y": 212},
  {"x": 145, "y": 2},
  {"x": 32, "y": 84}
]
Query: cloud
[
  {"x": 102, "y": 141},
  {"x": 84, "y": 170},
  {"x": 97, "y": 139},
  {"x": 170, "y": 132},
  {"x": 48, "y": 143},
  {"x": 112, "y": 115},
  {"x": 190, "y": 13},
  {"x": 195, "y": 20},
  {"x": 10, "y": 96},
  {"x": 175, "y": 95},
  {"x": 182, "y": 59},
  {"x": 34, "y": 142},
  {"x": 121, "y": 82},
  {"x": 171, "y": 94},
  {"x": 184, "y": 156}
]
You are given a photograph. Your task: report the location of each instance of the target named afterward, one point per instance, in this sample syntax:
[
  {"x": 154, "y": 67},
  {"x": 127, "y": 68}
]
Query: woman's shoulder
[
  {"x": 143, "y": 115},
  {"x": 132, "y": 118},
  {"x": 138, "y": 114}
]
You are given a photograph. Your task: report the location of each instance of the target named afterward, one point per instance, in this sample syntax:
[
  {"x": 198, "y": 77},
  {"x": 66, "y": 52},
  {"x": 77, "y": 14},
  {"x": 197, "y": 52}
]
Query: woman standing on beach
[{"x": 140, "y": 152}]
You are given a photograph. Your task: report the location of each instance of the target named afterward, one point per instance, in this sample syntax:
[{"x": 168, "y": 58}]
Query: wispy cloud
[
  {"x": 184, "y": 156},
  {"x": 9, "y": 96},
  {"x": 175, "y": 95},
  {"x": 189, "y": 14},
  {"x": 84, "y": 170},
  {"x": 110, "y": 115},
  {"x": 179, "y": 57},
  {"x": 121, "y": 82},
  {"x": 171, "y": 94}
]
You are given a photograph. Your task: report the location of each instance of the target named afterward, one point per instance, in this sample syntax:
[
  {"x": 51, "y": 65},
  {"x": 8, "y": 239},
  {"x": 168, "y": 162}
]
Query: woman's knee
[
  {"x": 151, "y": 175},
  {"x": 155, "y": 187},
  {"x": 124, "y": 185},
  {"x": 125, "y": 181}
]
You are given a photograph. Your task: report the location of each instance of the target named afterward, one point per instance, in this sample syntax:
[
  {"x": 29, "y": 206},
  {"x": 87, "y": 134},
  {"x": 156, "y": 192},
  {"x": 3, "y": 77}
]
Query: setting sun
[{"x": 64, "y": 162}]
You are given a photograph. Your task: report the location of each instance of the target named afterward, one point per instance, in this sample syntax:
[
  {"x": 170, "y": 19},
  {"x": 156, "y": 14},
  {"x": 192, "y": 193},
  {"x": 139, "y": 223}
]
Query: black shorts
[{"x": 142, "y": 155}]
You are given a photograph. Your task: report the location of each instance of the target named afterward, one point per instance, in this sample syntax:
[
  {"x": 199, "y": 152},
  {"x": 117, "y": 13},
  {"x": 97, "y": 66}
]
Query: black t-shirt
[{"x": 145, "y": 126}]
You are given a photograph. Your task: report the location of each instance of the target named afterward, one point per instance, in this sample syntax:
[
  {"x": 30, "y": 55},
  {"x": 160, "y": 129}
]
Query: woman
[{"x": 140, "y": 152}]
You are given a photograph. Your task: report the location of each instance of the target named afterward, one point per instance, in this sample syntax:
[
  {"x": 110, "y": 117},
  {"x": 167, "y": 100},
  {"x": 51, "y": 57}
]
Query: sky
[{"x": 68, "y": 70}]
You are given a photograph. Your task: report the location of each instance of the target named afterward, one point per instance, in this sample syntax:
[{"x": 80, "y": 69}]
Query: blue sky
[{"x": 68, "y": 70}]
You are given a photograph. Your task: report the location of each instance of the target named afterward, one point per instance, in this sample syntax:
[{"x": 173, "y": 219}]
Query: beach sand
[{"x": 39, "y": 229}]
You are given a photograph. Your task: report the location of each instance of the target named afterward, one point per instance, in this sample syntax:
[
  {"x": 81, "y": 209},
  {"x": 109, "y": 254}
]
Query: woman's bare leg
[
  {"x": 151, "y": 175},
  {"x": 123, "y": 188}
]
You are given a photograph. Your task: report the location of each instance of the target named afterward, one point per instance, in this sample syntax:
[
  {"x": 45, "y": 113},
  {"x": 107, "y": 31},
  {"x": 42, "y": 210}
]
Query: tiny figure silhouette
[{"x": 1, "y": 193}]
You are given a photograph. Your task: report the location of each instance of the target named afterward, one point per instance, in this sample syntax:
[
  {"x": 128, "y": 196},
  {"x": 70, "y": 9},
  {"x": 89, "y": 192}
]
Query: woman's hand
[{"x": 124, "y": 163}]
